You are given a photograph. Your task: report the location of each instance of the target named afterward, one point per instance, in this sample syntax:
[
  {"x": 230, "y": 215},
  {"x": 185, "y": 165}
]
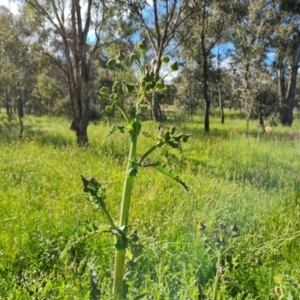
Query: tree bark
[
  {"x": 205, "y": 84},
  {"x": 281, "y": 84},
  {"x": 76, "y": 67},
  {"x": 20, "y": 108},
  {"x": 288, "y": 101},
  {"x": 206, "y": 116},
  {"x": 221, "y": 104},
  {"x": 155, "y": 109},
  {"x": 80, "y": 110},
  {"x": 8, "y": 105}
]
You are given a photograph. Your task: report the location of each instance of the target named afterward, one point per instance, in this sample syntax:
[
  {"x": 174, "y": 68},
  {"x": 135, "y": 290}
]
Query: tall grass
[{"x": 252, "y": 183}]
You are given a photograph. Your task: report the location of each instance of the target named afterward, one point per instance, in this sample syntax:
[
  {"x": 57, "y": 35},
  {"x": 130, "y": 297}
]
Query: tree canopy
[{"x": 54, "y": 55}]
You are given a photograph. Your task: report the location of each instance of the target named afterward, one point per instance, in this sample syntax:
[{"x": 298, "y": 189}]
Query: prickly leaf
[
  {"x": 115, "y": 128},
  {"x": 162, "y": 168}
]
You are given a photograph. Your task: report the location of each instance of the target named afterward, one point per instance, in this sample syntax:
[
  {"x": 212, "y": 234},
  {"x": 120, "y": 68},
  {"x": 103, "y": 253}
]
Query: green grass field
[{"x": 251, "y": 183}]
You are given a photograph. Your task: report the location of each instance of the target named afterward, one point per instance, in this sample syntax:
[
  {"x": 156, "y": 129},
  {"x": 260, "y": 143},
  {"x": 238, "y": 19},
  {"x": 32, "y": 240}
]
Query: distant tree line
[{"x": 232, "y": 54}]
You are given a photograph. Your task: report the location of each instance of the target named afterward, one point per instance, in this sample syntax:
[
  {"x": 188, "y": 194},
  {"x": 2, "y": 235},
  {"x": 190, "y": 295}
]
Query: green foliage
[
  {"x": 148, "y": 85},
  {"x": 250, "y": 183},
  {"x": 48, "y": 92}
]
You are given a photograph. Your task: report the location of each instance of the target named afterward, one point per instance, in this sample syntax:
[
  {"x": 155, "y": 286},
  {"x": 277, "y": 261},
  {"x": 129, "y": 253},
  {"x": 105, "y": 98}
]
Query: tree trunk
[
  {"x": 221, "y": 104},
  {"x": 205, "y": 93},
  {"x": 82, "y": 136},
  {"x": 288, "y": 102},
  {"x": 20, "y": 109},
  {"x": 79, "y": 74},
  {"x": 8, "y": 105},
  {"x": 80, "y": 124},
  {"x": 281, "y": 86},
  {"x": 206, "y": 116},
  {"x": 261, "y": 122},
  {"x": 205, "y": 54},
  {"x": 80, "y": 111},
  {"x": 155, "y": 109},
  {"x": 76, "y": 63},
  {"x": 247, "y": 76}
]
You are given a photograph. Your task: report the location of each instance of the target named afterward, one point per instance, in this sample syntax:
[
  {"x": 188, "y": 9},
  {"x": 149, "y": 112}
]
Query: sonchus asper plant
[{"x": 148, "y": 85}]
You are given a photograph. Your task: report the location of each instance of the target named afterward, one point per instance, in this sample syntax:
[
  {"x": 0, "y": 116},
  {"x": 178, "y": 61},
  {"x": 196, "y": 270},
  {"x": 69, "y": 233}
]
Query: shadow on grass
[
  {"x": 37, "y": 135},
  {"x": 278, "y": 178},
  {"x": 49, "y": 138},
  {"x": 229, "y": 130}
]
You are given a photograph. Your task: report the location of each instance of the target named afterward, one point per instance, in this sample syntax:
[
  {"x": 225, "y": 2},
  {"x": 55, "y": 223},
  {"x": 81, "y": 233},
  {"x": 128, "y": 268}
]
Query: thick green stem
[{"x": 128, "y": 184}]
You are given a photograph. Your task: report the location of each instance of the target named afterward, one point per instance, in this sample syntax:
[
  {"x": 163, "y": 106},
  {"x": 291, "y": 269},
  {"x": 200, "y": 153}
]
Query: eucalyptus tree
[
  {"x": 72, "y": 33},
  {"x": 187, "y": 91},
  {"x": 47, "y": 91},
  {"x": 200, "y": 35},
  {"x": 247, "y": 32},
  {"x": 284, "y": 39},
  {"x": 7, "y": 67},
  {"x": 161, "y": 21},
  {"x": 16, "y": 62}
]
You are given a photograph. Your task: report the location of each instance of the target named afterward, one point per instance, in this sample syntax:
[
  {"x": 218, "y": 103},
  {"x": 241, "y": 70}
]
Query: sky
[
  {"x": 12, "y": 5},
  {"x": 225, "y": 62}
]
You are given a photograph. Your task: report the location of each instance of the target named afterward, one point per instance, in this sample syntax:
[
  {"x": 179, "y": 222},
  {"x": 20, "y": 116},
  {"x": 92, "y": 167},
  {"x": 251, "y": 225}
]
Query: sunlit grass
[{"x": 251, "y": 182}]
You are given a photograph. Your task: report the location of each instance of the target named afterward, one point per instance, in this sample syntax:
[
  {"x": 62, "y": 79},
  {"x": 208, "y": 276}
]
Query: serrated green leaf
[
  {"x": 96, "y": 191},
  {"x": 178, "y": 137},
  {"x": 147, "y": 78},
  {"x": 114, "y": 128},
  {"x": 173, "y": 144},
  {"x": 162, "y": 168},
  {"x": 167, "y": 136},
  {"x": 186, "y": 137},
  {"x": 134, "y": 127},
  {"x": 90, "y": 186},
  {"x": 97, "y": 195}
]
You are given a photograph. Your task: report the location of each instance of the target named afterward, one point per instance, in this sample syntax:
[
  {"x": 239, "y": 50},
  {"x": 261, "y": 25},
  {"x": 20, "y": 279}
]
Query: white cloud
[
  {"x": 226, "y": 63},
  {"x": 11, "y": 5}
]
